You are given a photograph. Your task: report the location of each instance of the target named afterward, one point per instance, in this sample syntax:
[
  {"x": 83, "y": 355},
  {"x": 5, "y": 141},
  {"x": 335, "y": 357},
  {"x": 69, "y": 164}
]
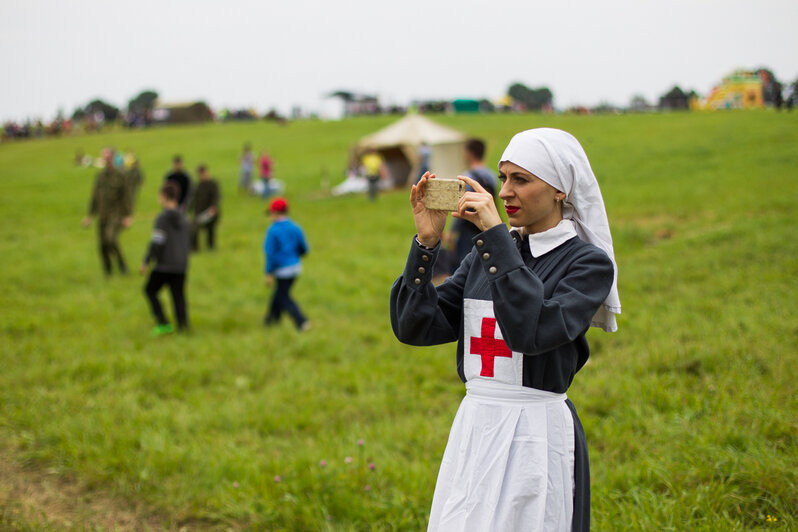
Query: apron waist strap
[{"x": 498, "y": 392}]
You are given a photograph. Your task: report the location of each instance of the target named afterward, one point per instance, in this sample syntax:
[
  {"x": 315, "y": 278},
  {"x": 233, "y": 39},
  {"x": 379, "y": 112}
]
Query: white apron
[{"x": 509, "y": 462}]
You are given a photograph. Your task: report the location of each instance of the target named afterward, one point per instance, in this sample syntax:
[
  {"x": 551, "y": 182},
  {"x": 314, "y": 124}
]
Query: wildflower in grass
[
  {"x": 348, "y": 459},
  {"x": 372, "y": 467},
  {"x": 235, "y": 485},
  {"x": 366, "y": 488},
  {"x": 322, "y": 463},
  {"x": 278, "y": 478},
  {"x": 771, "y": 519},
  {"x": 360, "y": 443}
]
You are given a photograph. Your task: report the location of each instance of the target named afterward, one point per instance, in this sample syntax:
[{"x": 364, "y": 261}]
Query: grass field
[{"x": 690, "y": 409}]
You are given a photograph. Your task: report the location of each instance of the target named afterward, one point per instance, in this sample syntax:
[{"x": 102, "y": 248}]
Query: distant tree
[
  {"x": 486, "y": 106},
  {"x": 767, "y": 75},
  {"x": 142, "y": 103},
  {"x": 770, "y": 85},
  {"x": 79, "y": 114},
  {"x": 605, "y": 107},
  {"x": 533, "y": 99},
  {"x": 109, "y": 111},
  {"x": 639, "y": 103}
]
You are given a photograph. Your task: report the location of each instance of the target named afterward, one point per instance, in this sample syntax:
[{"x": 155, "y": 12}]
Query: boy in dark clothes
[
  {"x": 205, "y": 206},
  {"x": 182, "y": 180},
  {"x": 169, "y": 249}
]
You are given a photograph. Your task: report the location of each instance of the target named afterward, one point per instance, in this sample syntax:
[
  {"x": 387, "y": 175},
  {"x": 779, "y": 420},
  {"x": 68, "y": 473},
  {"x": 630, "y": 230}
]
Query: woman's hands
[
  {"x": 429, "y": 223},
  {"x": 483, "y": 214}
]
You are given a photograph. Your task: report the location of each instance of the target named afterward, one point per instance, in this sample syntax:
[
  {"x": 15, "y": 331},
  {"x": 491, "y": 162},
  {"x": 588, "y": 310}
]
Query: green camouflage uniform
[{"x": 111, "y": 202}]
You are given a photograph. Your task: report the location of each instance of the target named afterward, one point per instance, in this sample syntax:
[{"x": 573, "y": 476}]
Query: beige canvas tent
[{"x": 398, "y": 144}]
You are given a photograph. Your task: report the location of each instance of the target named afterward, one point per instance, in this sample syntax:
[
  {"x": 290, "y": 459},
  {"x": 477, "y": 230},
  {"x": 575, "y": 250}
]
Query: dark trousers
[
  {"x": 210, "y": 228},
  {"x": 176, "y": 282},
  {"x": 281, "y": 301},
  {"x": 108, "y": 233},
  {"x": 373, "y": 183}
]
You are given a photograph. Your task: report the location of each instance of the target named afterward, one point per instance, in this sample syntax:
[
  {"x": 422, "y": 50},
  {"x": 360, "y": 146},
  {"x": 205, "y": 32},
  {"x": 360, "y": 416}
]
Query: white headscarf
[{"x": 557, "y": 158}]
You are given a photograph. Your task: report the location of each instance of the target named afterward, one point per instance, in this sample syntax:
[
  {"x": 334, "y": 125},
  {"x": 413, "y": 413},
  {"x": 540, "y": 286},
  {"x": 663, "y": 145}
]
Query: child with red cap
[{"x": 284, "y": 245}]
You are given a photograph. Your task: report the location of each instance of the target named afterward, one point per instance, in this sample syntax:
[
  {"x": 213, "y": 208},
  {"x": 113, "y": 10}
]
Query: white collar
[{"x": 542, "y": 243}]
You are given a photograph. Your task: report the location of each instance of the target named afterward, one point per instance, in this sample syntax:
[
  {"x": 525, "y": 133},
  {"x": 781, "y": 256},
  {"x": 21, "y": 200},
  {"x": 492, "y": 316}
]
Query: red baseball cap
[{"x": 279, "y": 205}]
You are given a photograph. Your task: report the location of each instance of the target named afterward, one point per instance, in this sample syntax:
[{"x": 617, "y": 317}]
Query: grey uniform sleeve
[
  {"x": 157, "y": 241},
  {"x": 530, "y": 323},
  {"x": 422, "y": 314}
]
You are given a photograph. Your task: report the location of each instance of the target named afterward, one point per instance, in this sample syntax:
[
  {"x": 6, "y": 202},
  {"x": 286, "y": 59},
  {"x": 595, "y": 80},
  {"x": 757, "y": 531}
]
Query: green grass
[{"x": 690, "y": 409}]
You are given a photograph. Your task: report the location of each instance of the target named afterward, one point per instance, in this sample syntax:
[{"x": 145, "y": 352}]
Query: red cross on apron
[{"x": 489, "y": 347}]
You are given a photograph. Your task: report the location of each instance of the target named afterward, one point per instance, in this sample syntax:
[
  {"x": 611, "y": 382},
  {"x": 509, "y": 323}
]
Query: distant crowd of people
[
  {"x": 36, "y": 128},
  {"x": 188, "y": 211}
]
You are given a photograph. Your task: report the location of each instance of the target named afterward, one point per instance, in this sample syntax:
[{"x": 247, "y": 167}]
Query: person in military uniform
[
  {"x": 134, "y": 176},
  {"x": 204, "y": 204},
  {"x": 111, "y": 202}
]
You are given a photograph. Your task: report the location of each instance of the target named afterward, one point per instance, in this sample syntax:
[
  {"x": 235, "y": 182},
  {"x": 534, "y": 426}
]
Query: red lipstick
[{"x": 511, "y": 209}]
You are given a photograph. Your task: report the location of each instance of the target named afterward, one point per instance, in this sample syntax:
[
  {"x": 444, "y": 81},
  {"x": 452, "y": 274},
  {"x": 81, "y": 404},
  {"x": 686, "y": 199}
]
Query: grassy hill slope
[{"x": 690, "y": 409}]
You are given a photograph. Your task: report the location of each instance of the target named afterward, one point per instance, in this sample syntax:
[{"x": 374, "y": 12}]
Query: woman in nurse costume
[{"x": 519, "y": 307}]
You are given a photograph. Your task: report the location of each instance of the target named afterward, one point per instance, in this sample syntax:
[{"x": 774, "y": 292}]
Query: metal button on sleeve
[
  {"x": 486, "y": 256},
  {"x": 418, "y": 281},
  {"x": 425, "y": 258},
  {"x": 480, "y": 243},
  {"x": 422, "y": 269},
  {"x": 492, "y": 269}
]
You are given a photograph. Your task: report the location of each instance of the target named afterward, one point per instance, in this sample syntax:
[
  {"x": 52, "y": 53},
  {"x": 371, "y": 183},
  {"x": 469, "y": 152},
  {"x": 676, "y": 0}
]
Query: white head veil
[{"x": 557, "y": 158}]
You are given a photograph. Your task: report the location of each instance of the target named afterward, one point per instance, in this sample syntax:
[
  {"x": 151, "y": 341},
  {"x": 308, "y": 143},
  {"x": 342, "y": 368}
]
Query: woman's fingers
[
  {"x": 417, "y": 190},
  {"x": 479, "y": 209},
  {"x": 473, "y": 184}
]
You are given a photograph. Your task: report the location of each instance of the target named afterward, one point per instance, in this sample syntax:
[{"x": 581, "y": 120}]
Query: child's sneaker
[{"x": 160, "y": 330}]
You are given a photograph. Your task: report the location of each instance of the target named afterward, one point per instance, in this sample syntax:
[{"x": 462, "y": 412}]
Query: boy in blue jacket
[{"x": 284, "y": 245}]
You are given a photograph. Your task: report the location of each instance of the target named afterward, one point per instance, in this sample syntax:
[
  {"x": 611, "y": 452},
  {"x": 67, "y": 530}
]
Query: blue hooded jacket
[{"x": 284, "y": 245}]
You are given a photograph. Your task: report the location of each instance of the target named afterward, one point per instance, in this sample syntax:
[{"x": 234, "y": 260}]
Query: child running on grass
[
  {"x": 169, "y": 248},
  {"x": 284, "y": 245}
]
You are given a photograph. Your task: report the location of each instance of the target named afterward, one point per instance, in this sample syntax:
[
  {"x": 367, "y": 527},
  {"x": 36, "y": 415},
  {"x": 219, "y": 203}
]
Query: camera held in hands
[{"x": 443, "y": 194}]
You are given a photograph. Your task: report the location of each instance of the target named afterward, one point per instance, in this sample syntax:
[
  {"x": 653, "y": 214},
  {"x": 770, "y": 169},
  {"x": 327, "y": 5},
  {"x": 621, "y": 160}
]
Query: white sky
[{"x": 263, "y": 53}]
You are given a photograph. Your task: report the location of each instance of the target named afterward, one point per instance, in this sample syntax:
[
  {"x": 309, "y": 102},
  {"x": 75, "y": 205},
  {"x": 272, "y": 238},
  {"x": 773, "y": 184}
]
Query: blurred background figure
[
  {"x": 265, "y": 164},
  {"x": 463, "y": 231},
  {"x": 374, "y": 168},
  {"x": 205, "y": 208},
  {"x": 182, "y": 180},
  {"x": 284, "y": 246},
  {"x": 246, "y": 161},
  {"x": 424, "y": 154},
  {"x": 168, "y": 249},
  {"x": 134, "y": 178},
  {"x": 119, "y": 160},
  {"x": 111, "y": 203},
  {"x": 789, "y": 95}
]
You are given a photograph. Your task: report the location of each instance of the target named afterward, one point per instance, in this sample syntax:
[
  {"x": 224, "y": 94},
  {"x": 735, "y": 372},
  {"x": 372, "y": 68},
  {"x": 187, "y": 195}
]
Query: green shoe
[{"x": 160, "y": 330}]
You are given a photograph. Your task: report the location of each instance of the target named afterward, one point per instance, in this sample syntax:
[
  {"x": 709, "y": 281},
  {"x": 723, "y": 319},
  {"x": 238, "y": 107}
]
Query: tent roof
[{"x": 411, "y": 130}]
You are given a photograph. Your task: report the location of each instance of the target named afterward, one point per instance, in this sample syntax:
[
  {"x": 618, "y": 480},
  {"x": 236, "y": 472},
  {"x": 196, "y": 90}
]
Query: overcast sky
[{"x": 240, "y": 53}]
